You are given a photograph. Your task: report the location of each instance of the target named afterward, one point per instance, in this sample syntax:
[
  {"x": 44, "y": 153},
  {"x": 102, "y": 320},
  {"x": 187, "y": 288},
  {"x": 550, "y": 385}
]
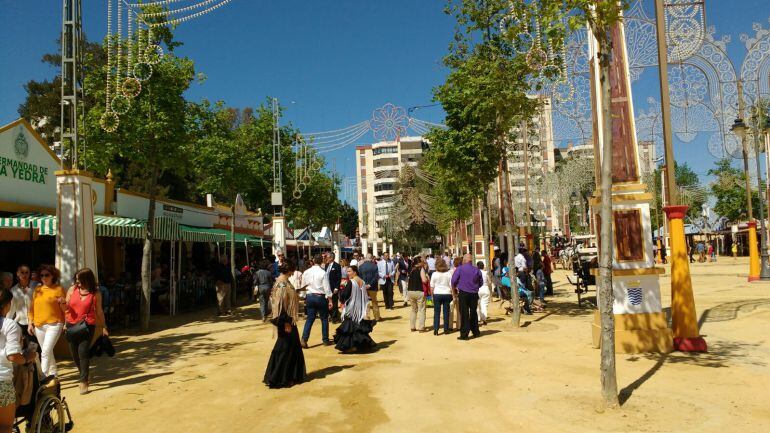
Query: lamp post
[{"x": 740, "y": 129}]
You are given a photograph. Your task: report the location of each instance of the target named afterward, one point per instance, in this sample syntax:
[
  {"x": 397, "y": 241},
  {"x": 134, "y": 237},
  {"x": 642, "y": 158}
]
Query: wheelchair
[{"x": 47, "y": 411}]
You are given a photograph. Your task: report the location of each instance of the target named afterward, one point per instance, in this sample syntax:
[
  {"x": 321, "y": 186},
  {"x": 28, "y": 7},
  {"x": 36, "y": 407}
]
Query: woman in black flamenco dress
[
  {"x": 354, "y": 331},
  {"x": 287, "y": 363}
]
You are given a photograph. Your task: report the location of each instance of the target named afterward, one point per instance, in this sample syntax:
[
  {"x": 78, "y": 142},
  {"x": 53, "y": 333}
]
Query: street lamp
[{"x": 741, "y": 130}]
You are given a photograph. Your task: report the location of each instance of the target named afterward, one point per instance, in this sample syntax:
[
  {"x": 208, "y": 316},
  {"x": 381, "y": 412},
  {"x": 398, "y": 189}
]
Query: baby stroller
[{"x": 46, "y": 410}]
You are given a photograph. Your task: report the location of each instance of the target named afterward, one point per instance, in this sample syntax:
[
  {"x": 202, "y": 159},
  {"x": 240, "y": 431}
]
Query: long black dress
[
  {"x": 287, "y": 363},
  {"x": 354, "y": 330}
]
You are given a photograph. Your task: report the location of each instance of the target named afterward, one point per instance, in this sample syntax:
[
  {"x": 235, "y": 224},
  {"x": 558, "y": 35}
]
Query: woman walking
[
  {"x": 287, "y": 364},
  {"x": 417, "y": 276},
  {"x": 484, "y": 294},
  {"x": 46, "y": 316},
  {"x": 354, "y": 331},
  {"x": 263, "y": 282},
  {"x": 84, "y": 316},
  {"x": 441, "y": 290},
  {"x": 10, "y": 346}
]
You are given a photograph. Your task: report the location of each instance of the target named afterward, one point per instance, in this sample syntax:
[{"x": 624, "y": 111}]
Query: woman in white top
[
  {"x": 484, "y": 294},
  {"x": 10, "y": 345},
  {"x": 441, "y": 290}
]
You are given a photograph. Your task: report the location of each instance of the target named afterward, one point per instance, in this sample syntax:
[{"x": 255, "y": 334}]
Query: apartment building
[
  {"x": 378, "y": 167},
  {"x": 532, "y": 157}
]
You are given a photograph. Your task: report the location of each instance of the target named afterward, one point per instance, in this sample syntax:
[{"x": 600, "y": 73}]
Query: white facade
[
  {"x": 378, "y": 167},
  {"x": 540, "y": 159}
]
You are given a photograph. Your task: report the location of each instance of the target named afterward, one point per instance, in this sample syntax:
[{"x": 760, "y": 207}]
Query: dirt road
[{"x": 204, "y": 375}]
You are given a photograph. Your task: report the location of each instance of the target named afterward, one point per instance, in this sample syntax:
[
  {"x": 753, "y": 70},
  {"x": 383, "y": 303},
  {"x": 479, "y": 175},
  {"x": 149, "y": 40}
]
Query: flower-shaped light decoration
[{"x": 388, "y": 122}]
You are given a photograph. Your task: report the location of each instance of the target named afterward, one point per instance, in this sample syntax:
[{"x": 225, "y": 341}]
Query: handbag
[{"x": 79, "y": 329}]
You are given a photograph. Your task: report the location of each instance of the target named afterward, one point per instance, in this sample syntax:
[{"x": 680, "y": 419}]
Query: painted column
[
  {"x": 279, "y": 234},
  {"x": 640, "y": 324},
  {"x": 685, "y": 323},
  {"x": 754, "y": 263},
  {"x": 375, "y": 252},
  {"x": 364, "y": 246},
  {"x": 390, "y": 248},
  {"x": 75, "y": 235}
]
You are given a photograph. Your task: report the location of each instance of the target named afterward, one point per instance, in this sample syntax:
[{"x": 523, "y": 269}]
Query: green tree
[
  {"x": 348, "y": 219},
  {"x": 690, "y": 192},
  {"x": 729, "y": 190}
]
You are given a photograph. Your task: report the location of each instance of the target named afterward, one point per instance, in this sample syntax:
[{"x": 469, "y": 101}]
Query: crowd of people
[
  {"x": 352, "y": 292},
  {"x": 35, "y": 311}
]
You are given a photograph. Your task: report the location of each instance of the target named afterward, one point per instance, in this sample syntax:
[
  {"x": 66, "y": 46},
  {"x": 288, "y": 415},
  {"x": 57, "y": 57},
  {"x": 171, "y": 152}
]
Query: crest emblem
[{"x": 20, "y": 146}]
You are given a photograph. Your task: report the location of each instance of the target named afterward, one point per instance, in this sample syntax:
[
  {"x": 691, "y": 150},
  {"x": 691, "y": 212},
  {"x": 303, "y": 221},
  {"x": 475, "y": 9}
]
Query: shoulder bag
[{"x": 81, "y": 328}]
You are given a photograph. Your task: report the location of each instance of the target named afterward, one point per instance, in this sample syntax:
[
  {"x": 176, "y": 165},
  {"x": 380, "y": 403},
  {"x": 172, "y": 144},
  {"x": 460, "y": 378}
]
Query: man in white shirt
[
  {"x": 520, "y": 261},
  {"x": 431, "y": 265},
  {"x": 387, "y": 272},
  {"x": 318, "y": 300},
  {"x": 22, "y": 297}
]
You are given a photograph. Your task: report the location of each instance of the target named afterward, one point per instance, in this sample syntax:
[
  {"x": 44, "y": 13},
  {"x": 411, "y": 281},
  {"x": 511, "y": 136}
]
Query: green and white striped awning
[
  {"x": 46, "y": 224},
  {"x": 121, "y": 227},
  {"x": 118, "y": 227},
  {"x": 201, "y": 234}
]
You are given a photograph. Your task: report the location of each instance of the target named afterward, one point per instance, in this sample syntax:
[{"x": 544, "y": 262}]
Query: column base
[
  {"x": 637, "y": 333},
  {"x": 694, "y": 344}
]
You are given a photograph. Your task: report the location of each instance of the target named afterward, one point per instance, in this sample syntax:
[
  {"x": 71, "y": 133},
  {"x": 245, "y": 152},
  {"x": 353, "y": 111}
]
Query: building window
[
  {"x": 382, "y": 150},
  {"x": 384, "y": 187}
]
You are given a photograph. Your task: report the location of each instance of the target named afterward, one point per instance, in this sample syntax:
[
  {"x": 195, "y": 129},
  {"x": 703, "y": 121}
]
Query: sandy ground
[{"x": 201, "y": 375}]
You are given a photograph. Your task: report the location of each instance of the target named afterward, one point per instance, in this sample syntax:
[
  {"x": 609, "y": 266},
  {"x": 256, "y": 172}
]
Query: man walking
[
  {"x": 431, "y": 265},
  {"x": 334, "y": 275},
  {"x": 223, "y": 282},
  {"x": 318, "y": 300},
  {"x": 402, "y": 276},
  {"x": 369, "y": 273},
  {"x": 466, "y": 281},
  {"x": 387, "y": 271}
]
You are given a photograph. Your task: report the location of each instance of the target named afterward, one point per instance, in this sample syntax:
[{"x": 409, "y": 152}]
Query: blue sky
[{"x": 329, "y": 62}]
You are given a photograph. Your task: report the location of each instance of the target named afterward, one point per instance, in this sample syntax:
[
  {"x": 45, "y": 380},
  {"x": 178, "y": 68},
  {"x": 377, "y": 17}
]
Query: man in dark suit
[
  {"x": 334, "y": 274},
  {"x": 367, "y": 270}
]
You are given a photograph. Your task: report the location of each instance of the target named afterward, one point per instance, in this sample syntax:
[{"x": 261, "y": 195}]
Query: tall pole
[
  {"x": 754, "y": 262},
  {"x": 527, "y": 215},
  {"x": 683, "y": 316},
  {"x": 764, "y": 273},
  {"x": 71, "y": 38}
]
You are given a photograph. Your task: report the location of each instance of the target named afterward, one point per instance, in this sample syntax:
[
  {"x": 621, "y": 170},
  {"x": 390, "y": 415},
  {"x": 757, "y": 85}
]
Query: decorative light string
[{"x": 177, "y": 11}]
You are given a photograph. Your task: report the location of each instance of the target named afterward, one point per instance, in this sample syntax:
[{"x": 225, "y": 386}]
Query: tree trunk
[
  {"x": 509, "y": 230},
  {"x": 147, "y": 254},
  {"x": 605, "y": 293}
]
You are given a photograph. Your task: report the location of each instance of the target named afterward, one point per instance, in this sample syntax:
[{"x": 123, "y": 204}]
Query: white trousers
[
  {"x": 484, "y": 296},
  {"x": 47, "y": 336}
]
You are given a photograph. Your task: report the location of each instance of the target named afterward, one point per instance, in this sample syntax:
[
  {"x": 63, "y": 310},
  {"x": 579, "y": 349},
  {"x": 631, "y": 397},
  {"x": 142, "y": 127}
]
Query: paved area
[{"x": 200, "y": 374}]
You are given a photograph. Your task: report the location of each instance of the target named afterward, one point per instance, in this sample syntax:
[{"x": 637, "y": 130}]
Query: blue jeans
[
  {"x": 316, "y": 306},
  {"x": 264, "y": 301},
  {"x": 441, "y": 302}
]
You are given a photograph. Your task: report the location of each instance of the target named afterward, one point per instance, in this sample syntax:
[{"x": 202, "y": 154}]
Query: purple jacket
[{"x": 467, "y": 278}]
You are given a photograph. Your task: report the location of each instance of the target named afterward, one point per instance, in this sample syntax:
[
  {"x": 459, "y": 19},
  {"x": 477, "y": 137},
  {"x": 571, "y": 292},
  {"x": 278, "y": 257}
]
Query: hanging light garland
[{"x": 130, "y": 61}]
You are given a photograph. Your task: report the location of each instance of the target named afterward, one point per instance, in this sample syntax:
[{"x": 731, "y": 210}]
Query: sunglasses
[
  {"x": 45, "y": 275},
  {"x": 24, "y": 272}
]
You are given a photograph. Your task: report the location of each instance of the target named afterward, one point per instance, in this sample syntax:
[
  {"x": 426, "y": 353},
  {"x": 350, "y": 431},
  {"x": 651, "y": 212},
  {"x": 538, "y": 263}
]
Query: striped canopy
[
  {"x": 46, "y": 224},
  {"x": 118, "y": 227},
  {"x": 201, "y": 234}
]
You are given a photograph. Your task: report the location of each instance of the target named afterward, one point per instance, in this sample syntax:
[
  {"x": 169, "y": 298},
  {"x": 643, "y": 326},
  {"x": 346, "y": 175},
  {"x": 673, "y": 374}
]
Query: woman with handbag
[
  {"x": 84, "y": 316},
  {"x": 46, "y": 316}
]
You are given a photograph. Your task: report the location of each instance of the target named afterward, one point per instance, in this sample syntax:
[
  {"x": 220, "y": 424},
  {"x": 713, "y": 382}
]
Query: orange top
[{"x": 45, "y": 308}]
